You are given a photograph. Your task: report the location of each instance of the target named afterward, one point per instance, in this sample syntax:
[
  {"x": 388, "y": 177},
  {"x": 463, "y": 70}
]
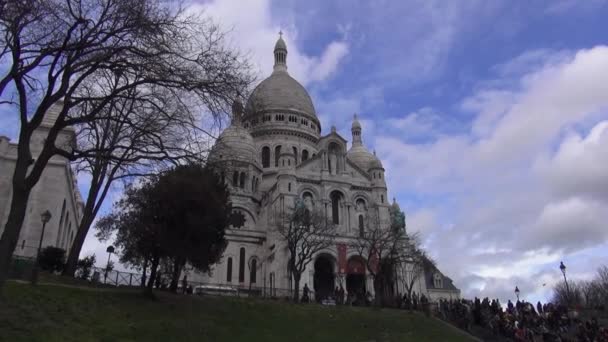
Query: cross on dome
[{"x": 280, "y": 54}]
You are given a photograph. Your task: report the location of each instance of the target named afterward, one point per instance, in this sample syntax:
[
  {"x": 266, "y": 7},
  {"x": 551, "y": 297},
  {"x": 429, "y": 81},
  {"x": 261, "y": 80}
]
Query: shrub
[
  {"x": 52, "y": 259},
  {"x": 84, "y": 267}
]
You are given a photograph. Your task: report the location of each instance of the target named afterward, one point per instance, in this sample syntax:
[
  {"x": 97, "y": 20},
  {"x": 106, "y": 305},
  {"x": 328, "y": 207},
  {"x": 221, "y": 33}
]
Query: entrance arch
[
  {"x": 355, "y": 278},
  {"x": 324, "y": 277}
]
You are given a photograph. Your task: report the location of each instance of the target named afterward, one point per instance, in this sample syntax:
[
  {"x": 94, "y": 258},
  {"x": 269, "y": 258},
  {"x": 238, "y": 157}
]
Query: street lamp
[
  {"x": 517, "y": 292},
  {"x": 110, "y": 250},
  {"x": 44, "y": 217},
  {"x": 562, "y": 268}
]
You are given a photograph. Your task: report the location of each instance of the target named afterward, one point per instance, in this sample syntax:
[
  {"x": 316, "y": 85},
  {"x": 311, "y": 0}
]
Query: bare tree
[
  {"x": 140, "y": 133},
  {"x": 84, "y": 54},
  {"x": 570, "y": 295},
  {"x": 414, "y": 263},
  {"x": 305, "y": 233},
  {"x": 380, "y": 245}
]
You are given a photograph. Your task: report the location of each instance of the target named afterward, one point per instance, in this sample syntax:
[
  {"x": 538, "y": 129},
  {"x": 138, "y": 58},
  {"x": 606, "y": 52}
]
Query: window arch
[
  {"x": 242, "y": 265},
  {"x": 243, "y": 178},
  {"x": 265, "y": 156},
  {"x": 253, "y": 271},
  {"x": 295, "y": 153},
  {"x": 360, "y": 205},
  {"x": 229, "y": 270},
  {"x": 361, "y": 226},
  {"x": 277, "y": 153},
  {"x": 304, "y": 155},
  {"x": 235, "y": 178},
  {"x": 336, "y": 198}
]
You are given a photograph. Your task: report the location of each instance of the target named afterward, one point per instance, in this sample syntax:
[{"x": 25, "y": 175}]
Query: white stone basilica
[{"x": 272, "y": 154}]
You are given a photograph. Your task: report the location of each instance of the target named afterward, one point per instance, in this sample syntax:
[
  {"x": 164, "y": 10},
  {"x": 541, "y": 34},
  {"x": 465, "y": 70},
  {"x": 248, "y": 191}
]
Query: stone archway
[
  {"x": 355, "y": 279},
  {"x": 323, "y": 281}
]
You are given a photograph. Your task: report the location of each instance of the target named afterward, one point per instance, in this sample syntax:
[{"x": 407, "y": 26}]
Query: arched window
[
  {"x": 223, "y": 177},
  {"x": 257, "y": 183},
  {"x": 437, "y": 281},
  {"x": 361, "y": 226},
  {"x": 277, "y": 153},
  {"x": 253, "y": 272},
  {"x": 242, "y": 265},
  {"x": 266, "y": 156},
  {"x": 335, "y": 207},
  {"x": 243, "y": 176},
  {"x": 235, "y": 178},
  {"x": 229, "y": 270},
  {"x": 382, "y": 198},
  {"x": 253, "y": 184},
  {"x": 288, "y": 186},
  {"x": 304, "y": 155},
  {"x": 295, "y": 153}
]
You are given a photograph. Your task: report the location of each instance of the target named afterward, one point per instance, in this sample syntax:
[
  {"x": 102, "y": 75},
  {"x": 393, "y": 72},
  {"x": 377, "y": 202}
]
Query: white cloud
[
  {"x": 252, "y": 29},
  {"x": 522, "y": 188}
]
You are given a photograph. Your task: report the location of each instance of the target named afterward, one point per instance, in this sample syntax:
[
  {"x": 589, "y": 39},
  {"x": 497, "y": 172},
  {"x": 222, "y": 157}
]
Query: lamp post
[
  {"x": 44, "y": 217},
  {"x": 562, "y": 268},
  {"x": 110, "y": 250},
  {"x": 517, "y": 292}
]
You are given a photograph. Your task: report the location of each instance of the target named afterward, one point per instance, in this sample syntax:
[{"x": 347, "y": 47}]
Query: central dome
[
  {"x": 281, "y": 104},
  {"x": 280, "y": 92}
]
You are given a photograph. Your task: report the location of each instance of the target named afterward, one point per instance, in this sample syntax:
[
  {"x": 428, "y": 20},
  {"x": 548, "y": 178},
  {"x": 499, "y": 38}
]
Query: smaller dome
[
  {"x": 235, "y": 143},
  {"x": 395, "y": 206},
  {"x": 359, "y": 155},
  {"x": 375, "y": 163},
  {"x": 280, "y": 45}
]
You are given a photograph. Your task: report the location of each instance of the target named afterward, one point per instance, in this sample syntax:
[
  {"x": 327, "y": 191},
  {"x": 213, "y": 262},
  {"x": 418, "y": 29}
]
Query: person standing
[{"x": 184, "y": 283}]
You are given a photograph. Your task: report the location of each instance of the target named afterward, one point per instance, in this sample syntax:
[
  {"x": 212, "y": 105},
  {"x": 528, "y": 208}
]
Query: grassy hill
[{"x": 60, "y": 313}]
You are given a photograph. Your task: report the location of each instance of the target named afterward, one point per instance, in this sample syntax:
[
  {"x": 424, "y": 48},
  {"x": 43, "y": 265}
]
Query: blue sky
[{"x": 490, "y": 117}]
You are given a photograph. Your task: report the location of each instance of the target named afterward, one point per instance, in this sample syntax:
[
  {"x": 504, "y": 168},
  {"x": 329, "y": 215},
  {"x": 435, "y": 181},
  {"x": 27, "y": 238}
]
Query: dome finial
[
  {"x": 356, "y": 131},
  {"x": 280, "y": 54}
]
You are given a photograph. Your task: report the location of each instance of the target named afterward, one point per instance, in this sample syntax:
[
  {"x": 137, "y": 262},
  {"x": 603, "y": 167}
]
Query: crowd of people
[{"x": 523, "y": 321}]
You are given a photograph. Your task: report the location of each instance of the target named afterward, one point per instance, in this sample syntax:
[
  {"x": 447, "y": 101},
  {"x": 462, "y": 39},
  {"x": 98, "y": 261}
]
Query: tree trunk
[
  {"x": 175, "y": 276},
  {"x": 153, "y": 269},
  {"x": 296, "y": 290},
  {"x": 16, "y": 215},
  {"x": 81, "y": 234},
  {"x": 378, "y": 290},
  {"x": 143, "y": 276}
]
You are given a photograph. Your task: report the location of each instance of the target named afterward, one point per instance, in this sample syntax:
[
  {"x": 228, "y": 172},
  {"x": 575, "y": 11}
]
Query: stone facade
[
  {"x": 56, "y": 191},
  {"x": 272, "y": 155}
]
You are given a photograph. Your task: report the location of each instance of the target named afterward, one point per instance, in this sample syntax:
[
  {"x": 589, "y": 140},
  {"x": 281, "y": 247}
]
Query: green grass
[{"x": 60, "y": 313}]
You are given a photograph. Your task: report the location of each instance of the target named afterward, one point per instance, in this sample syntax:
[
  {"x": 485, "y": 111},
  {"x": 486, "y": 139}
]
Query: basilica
[{"x": 274, "y": 154}]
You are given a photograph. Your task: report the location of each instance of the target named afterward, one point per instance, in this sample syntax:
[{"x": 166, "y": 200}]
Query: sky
[{"x": 490, "y": 118}]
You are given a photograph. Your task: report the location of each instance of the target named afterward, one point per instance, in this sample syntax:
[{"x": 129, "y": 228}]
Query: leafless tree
[
  {"x": 85, "y": 54},
  {"x": 570, "y": 295},
  {"x": 305, "y": 233},
  {"x": 383, "y": 248},
  {"x": 414, "y": 263},
  {"x": 142, "y": 132}
]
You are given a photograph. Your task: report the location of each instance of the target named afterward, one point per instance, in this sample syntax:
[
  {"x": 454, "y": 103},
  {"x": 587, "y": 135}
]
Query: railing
[{"x": 129, "y": 279}]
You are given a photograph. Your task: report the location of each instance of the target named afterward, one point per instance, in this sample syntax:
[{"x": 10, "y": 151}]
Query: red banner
[{"x": 341, "y": 258}]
